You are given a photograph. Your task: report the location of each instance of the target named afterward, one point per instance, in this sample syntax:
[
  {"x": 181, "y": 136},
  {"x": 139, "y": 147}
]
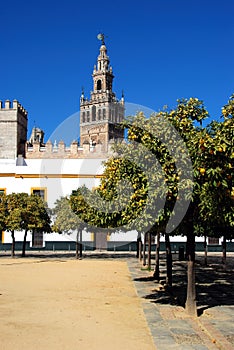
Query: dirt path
[{"x": 69, "y": 304}]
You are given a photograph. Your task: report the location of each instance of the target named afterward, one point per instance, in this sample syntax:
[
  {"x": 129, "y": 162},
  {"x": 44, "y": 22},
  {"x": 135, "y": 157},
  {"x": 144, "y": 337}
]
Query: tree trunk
[
  {"x": 81, "y": 244},
  {"x": 149, "y": 250},
  {"x": 205, "y": 251},
  {"x": 144, "y": 249},
  {"x": 13, "y": 244},
  {"x": 138, "y": 246},
  {"x": 140, "y": 250},
  {"x": 169, "y": 261},
  {"x": 77, "y": 244},
  {"x": 24, "y": 243},
  {"x": 224, "y": 249},
  {"x": 156, "y": 274},
  {"x": 190, "y": 304}
]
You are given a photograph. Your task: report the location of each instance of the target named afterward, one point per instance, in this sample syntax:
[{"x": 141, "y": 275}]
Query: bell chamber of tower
[{"x": 101, "y": 114}]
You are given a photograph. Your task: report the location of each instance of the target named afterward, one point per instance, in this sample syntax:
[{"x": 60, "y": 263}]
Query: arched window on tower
[
  {"x": 87, "y": 116},
  {"x": 104, "y": 114},
  {"x": 99, "y": 84},
  {"x": 99, "y": 114},
  {"x": 83, "y": 117}
]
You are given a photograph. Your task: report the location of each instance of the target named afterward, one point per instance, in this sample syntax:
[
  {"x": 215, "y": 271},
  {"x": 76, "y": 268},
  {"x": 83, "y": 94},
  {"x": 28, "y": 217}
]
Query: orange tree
[
  {"x": 215, "y": 165},
  {"x": 34, "y": 216},
  {"x": 14, "y": 204},
  {"x": 19, "y": 211}
]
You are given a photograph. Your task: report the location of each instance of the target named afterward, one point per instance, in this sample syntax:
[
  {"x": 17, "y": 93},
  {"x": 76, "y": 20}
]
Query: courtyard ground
[
  {"x": 110, "y": 301},
  {"x": 70, "y": 304}
]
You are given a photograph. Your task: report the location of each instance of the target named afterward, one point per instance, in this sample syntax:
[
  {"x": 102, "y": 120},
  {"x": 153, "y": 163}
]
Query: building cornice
[{"x": 51, "y": 176}]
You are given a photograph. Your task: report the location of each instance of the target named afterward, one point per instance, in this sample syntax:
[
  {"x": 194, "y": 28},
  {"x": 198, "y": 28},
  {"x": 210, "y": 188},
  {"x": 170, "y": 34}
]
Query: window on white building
[
  {"x": 213, "y": 241},
  {"x": 40, "y": 191}
]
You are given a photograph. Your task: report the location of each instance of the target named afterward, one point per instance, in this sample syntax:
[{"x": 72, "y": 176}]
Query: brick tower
[
  {"x": 101, "y": 114},
  {"x": 13, "y": 136}
]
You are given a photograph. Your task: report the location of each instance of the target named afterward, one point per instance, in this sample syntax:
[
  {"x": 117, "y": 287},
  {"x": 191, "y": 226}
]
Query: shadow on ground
[{"x": 214, "y": 285}]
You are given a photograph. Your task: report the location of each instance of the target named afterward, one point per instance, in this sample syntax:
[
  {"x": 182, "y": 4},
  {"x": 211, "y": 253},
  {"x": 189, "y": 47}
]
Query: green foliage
[
  {"x": 228, "y": 109},
  {"x": 19, "y": 211},
  {"x": 65, "y": 219}
]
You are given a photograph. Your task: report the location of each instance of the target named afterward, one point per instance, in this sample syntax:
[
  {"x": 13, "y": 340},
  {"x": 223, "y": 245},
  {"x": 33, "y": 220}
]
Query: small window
[
  {"x": 99, "y": 84},
  {"x": 83, "y": 117},
  {"x": 99, "y": 114},
  {"x": 104, "y": 114},
  {"x": 213, "y": 241},
  {"x": 2, "y": 191},
  {"x": 39, "y": 191},
  {"x": 87, "y": 116}
]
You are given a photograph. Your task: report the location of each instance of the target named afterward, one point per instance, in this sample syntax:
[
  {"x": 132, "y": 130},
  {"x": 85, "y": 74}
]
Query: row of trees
[
  {"x": 29, "y": 213},
  {"x": 173, "y": 176}
]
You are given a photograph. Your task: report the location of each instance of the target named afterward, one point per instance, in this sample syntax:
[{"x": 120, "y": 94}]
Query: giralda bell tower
[{"x": 101, "y": 114}]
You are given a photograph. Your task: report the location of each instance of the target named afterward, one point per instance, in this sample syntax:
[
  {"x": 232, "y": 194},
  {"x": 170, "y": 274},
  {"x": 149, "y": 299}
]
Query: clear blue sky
[{"x": 160, "y": 50}]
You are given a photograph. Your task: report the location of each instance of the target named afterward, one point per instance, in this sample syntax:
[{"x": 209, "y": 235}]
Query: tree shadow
[
  {"x": 214, "y": 285},
  {"x": 144, "y": 279}
]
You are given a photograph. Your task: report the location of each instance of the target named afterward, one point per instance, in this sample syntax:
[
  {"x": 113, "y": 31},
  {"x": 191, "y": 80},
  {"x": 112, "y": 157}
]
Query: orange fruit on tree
[{"x": 202, "y": 171}]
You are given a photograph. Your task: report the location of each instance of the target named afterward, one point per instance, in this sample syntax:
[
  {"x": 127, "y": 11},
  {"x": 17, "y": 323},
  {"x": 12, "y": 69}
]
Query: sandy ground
[{"x": 70, "y": 304}]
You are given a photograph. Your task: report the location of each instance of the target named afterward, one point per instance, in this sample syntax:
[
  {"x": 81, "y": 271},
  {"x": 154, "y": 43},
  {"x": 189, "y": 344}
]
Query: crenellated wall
[
  {"x": 60, "y": 150},
  {"x": 14, "y": 105}
]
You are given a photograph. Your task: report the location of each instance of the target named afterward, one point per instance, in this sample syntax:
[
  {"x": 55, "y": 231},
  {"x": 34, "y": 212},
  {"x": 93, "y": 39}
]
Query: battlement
[
  {"x": 61, "y": 151},
  {"x": 14, "y": 105}
]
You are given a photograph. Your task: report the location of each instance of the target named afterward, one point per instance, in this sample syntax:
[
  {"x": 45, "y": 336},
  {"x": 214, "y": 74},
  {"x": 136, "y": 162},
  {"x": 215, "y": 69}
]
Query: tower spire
[{"x": 102, "y": 73}]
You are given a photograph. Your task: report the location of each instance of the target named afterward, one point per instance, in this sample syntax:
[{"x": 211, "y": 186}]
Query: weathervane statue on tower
[{"x": 101, "y": 37}]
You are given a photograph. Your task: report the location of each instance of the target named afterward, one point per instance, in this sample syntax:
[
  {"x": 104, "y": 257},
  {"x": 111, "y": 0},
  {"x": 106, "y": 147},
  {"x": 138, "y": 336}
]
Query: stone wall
[{"x": 13, "y": 129}]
